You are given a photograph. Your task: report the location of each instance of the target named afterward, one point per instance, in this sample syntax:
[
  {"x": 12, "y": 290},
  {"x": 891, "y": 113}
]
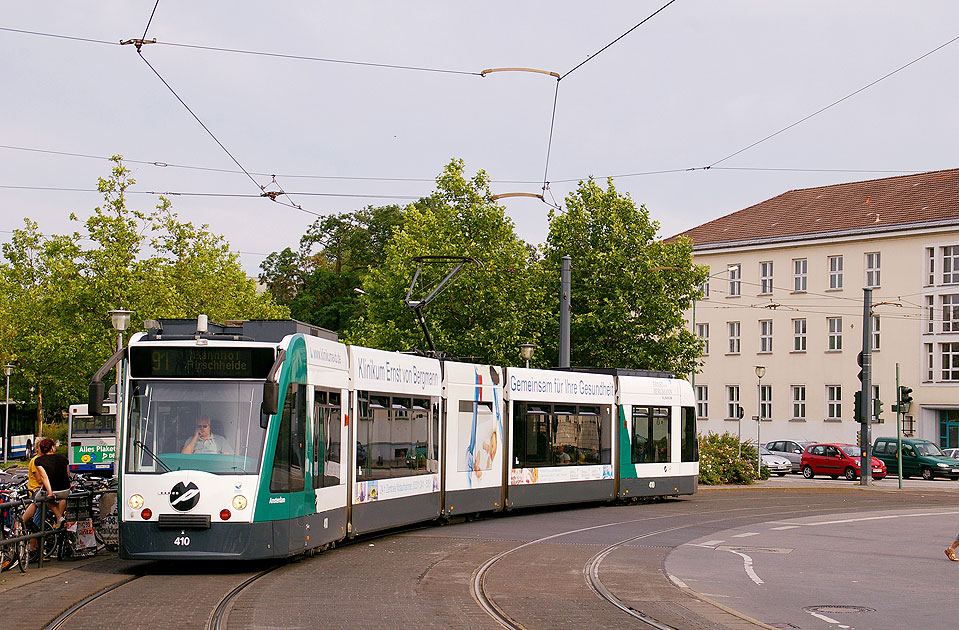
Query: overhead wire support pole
[{"x": 865, "y": 464}]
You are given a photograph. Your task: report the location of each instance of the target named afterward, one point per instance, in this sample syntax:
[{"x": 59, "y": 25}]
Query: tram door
[{"x": 290, "y": 470}]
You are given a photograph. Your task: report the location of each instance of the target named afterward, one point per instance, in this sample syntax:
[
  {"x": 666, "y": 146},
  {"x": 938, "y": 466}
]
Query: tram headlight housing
[
  {"x": 239, "y": 502},
  {"x": 136, "y": 501}
]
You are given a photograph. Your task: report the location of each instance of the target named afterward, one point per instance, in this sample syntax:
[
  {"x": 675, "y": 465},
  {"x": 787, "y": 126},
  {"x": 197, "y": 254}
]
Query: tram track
[
  {"x": 592, "y": 566},
  {"x": 59, "y": 622},
  {"x": 221, "y": 612}
]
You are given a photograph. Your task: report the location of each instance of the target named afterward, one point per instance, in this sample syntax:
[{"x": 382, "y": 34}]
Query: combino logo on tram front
[{"x": 184, "y": 497}]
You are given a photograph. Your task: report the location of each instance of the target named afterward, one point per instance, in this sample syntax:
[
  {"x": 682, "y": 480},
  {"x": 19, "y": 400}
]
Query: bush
[
  {"x": 724, "y": 460},
  {"x": 56, "y": 431}
]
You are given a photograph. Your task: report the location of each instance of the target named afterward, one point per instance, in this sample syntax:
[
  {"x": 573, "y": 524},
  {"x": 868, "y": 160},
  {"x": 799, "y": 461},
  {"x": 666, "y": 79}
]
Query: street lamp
[
  {"x": 7, "y": 369},
  {"x": 120, "y": 319},
  {"x": 526, "y": 351},
  {"x": 760, "y": 373}
]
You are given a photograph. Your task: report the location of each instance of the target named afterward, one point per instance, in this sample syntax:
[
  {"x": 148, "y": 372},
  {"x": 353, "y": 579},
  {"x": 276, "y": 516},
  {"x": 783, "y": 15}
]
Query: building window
[
  {"x": 872, "y": 269},
  {"x": 732, "y": 402},
  {"x": 950, "y": 361},
  {"x": 930, "y": 266},
  {"x": 702, "y": 402},
  {"x": 733, "y": 337},
  {"x": 835, "y": 333},
  {"x": 930, "y": 363},
  {"x": 799, "y": 402},
  {"x": 930, "y": 314},
  {"x": 834, "y": 402},
  {"x": 799, "y": 335},
  {"x": 702, "y": 331},
  {"x": 765, "y": 335},
  {"x": 799, "y": 275},
  {"x": 835, "y": 273},
  {"x": 765, "y": 278},
  {"x": 950, "y": 312},
  {"x": 950, "y": 264},
  {"x": 704, "y": 289},
  {"x": 766, "y": 402},
  {"x": 735, "y": 272},
  {"x": 875, "y": 332}
]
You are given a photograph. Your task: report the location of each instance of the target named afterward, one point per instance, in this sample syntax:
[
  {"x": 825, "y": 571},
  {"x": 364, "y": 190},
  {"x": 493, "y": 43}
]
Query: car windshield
[
  {"x": 852, "y": 451},
  {"x": 213, "y": 426},
  {"x": 764, "y": 450},
  {"x": 928, "y": 448}
]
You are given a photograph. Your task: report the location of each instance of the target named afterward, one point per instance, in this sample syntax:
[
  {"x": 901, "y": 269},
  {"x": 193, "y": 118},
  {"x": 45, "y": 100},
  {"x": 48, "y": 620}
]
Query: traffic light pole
[
  {"x": 865, "y": 468},
  {"x": 899, "y": 425}
]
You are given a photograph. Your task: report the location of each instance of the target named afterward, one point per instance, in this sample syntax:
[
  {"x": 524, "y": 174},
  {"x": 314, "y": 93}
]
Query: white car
[
  {"x": 777, "y": 464},
  {"x": 951, "y": 452}
]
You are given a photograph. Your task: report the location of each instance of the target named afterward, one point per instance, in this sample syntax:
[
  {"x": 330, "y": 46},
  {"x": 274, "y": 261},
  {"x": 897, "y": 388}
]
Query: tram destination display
[{"x": 185, "y": 362}]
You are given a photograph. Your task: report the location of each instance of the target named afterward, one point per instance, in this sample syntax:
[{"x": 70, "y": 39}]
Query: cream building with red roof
[{"x": 786, "y": 293}]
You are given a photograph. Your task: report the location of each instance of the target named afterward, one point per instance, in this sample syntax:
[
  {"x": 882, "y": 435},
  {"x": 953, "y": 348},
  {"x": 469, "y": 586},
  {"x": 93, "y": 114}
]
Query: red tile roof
[{"x": 885, "y": 203}]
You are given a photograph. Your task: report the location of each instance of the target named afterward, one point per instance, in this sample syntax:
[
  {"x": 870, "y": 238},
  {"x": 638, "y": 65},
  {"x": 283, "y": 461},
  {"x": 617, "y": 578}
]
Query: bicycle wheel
[
  {"x": 23, "y": 547},
  {"x": 8, "y": 553}
]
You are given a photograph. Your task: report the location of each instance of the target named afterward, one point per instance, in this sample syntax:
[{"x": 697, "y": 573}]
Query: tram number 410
[{"x": 182, "y": 541}]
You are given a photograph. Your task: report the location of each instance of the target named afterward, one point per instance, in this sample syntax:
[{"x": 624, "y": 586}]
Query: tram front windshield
[{"x": 212, "y": 426}]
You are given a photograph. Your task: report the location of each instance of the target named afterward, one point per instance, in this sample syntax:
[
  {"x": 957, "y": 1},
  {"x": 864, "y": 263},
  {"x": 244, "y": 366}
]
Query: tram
[{"x": 267, "y": 439}]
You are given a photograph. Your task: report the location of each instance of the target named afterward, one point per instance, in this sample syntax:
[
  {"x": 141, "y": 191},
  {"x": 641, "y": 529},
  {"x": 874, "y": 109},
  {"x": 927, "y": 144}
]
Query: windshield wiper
[{"x": 150, "y": 453}]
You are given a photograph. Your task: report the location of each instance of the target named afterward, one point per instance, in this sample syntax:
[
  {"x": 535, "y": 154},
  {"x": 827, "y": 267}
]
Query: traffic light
[
  {"x": 739, "y": 412},
  {"x": 905, "y": 398},
  {"x": 876, "y": 410},
  {"x": 857, "y": 406},
  {"x": 859, "y": 361}
]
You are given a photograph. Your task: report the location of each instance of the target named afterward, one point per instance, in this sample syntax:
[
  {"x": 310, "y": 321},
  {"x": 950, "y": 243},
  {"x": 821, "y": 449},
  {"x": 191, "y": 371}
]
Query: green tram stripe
[{"x": 627, "y": 470}]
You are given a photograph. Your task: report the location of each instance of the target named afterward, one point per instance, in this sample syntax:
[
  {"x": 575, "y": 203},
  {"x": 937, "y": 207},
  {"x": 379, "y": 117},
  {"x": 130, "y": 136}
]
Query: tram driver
[{"x": 204, "y": 441}]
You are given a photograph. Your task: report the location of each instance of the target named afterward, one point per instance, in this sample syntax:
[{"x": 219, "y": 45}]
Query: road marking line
[
  {"x": 779, "y": 529},
  {"x": 675, "y": 580},
  {"x": 710, "y": 543},
  {"x": 745, "y": 534},
  {"x": 748, "y": 566},
  {"x": 881, "y": 518},
  {"x": 823, "y": 617}
]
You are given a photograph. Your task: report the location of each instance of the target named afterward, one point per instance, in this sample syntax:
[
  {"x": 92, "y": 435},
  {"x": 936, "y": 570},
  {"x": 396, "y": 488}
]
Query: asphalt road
[{"x": 789, "y": 553}]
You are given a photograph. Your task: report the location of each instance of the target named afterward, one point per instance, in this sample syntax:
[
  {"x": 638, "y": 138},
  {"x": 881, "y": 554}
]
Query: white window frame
[
  {"x": 765, "y": 336},
  {"x": 734, "y": 330},
  {"x": 950, "y": 312},
  {"x": 930, "y": 266},
  {"x": 950, "y": 264},
  {"x": 930, "y": 363},
  {"x": 949, "y": 365},
  {"x": 930, "y": 314},
  {"x": 702, "y": 331},
  {"x": 735, "y": 280},
  {"x": 873, "y": 264},
  {"x": 833, "y": 402},
  {"x": 702, "y": 402},
  {"x": 766, "y": 278},
  {"x": 875, "y": 332},
  {"x": 766, "y": 402},
  {"x": 799, "y": 334},
  {"x": 834, "y": 326},
  {"x": 835, "y": 273},
  {"x": 732, "y": 402},
  {"x": 800, "y": 273},
  {"x": 798, "y": 402},
  {"x": 704, "y": 289}
]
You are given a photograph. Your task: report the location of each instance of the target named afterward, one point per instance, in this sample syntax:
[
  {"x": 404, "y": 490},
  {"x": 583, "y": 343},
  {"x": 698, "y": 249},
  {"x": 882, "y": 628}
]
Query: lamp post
[
  {"x": 7, "y": 369},
  {"x": 120, "y": 319},
  {"x": 526, "y": 351},
  {"x": 760, "y": 373}
]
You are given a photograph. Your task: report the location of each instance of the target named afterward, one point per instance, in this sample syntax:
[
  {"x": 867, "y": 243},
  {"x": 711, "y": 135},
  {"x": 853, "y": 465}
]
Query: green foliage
[
  {"x": 56, "y": 291},
  {"x": 723, "y": 460},
  {"x": 56, "y": 431},
  {"x": 628, "y": 287},
  {"x": 489, "y": 309},
  {"x": 335, "y": 255}
]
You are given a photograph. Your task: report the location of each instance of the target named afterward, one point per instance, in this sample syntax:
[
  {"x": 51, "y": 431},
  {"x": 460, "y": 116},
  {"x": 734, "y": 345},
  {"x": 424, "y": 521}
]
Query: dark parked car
[
  {"x": 919, "y": 457},
  {"x": 837, "y": 459}
]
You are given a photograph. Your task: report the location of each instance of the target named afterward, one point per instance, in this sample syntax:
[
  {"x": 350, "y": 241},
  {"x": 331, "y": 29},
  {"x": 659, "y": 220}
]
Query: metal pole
[
  {"x": 759, "y": 426},
  {"x": 865, "y": 463},
  {"x": 564, "y": 311},
  {"x": 898, "y": 427},
  {"x": 6, "y": 425},
  {"x": 692, "y": 378}
]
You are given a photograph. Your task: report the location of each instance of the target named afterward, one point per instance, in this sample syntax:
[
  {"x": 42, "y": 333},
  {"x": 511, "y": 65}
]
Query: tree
[
  {"x": 56, "y": 290},
  {"x": 489, "y": 309},
  {"x": 318, "y": 282},
  {"x": 629, "y": 290}
]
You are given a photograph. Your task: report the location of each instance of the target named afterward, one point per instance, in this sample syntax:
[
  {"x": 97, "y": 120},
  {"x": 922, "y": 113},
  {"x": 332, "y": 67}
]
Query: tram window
[
  {"x": 689, "y": 440},
  {"x": 531, "y": 435},
  {"x": 401, "y": 433},
  {"x": 650, "y": 440},
  {"x": 334, "y": 399},
  {"x": 319, "y": 397},
  {"x": 289, "y": 459}
]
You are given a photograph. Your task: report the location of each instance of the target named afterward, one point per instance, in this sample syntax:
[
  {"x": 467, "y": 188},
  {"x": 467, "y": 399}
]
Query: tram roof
[{"x": 263, "y": 330}]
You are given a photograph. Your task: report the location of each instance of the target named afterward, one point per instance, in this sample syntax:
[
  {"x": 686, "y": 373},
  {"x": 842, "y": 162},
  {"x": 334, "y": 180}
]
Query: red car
[{"x": 835, "y": 460}]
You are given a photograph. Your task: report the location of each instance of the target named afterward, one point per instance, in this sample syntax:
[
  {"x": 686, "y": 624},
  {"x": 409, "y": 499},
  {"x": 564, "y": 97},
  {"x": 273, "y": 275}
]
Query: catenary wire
[
  {"x": 834, "y": 103},
  {"x": 150, "y": 21}
]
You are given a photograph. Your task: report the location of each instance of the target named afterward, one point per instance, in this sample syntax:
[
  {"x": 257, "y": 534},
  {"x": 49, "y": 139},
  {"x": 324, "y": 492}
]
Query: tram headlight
[
  {"x": 136, "y": 501},
  {"x": 239, "y": 502}
]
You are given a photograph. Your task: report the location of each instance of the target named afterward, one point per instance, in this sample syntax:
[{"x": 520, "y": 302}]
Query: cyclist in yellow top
[{"x": 33, "y": 483}]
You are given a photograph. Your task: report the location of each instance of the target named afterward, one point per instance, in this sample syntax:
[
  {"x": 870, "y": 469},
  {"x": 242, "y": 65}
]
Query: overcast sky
[{"x": 696, "y": 83}]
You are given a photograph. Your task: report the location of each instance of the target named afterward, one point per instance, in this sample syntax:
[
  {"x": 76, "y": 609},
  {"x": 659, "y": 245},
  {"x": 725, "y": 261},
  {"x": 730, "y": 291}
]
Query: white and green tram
[{"x": 268, "y": 439}]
